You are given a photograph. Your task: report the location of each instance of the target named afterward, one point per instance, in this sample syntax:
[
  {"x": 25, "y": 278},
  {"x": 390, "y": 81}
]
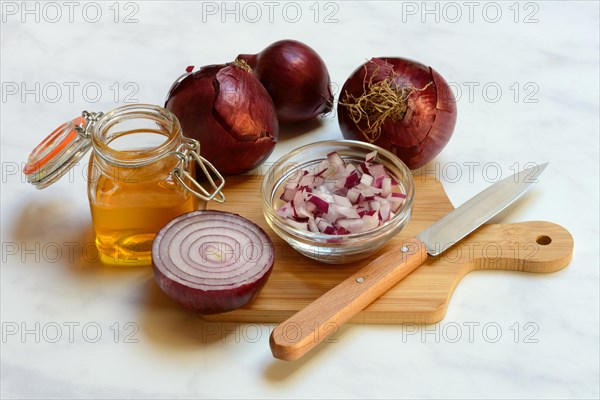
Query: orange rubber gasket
[{"x": 33, "y": 167}]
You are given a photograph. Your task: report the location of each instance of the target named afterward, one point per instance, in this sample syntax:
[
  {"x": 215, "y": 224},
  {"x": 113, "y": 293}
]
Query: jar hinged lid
[{"x": 59, "y": 152}]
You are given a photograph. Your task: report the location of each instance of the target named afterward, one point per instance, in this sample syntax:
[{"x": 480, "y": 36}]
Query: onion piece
[
  {"x": 370, "y": 221},
  {"x": 334, "y": 158},
  {"x": 384, "y": 211},
  {"x": 322, "y": 205},
  {"x": 375, "y": 205},
  {"x": 377, "y": 171},
  {"x": 353, "y": 195},
  {"x": 352, "y": 224},
  {"x": 286, "y": 211},
  {"x": 348, "y": 212},
  {"x": 366, "y": 179},
  {"x": 307, "y": 179},
  {"x": 371, "y": 156},
  {"x": 312, "y": 226},
  {"x": 212, "y": 261},
  {"x": 288, "y": 194},
  {"x": 352, "y": 179},
  {"x": 386, "y": 187},
  {"x": 342, "y": 201}
]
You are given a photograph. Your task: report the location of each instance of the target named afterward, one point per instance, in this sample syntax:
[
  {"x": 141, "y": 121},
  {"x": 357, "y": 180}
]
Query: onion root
[{"x": 382, "y": 100}]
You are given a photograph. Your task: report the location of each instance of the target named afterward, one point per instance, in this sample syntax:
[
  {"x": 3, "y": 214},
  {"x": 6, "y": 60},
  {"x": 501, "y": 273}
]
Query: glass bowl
[{"x": 334, "y": 249}]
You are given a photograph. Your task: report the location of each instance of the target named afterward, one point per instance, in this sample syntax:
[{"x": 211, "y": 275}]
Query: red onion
[
  {"x": 400, "y": 105},
  {"x": 229, "y": 112},
  {"x": 212, "y": 261},
  {"x": 295, "y": 77},
  {"x": 337, "y": 198}
]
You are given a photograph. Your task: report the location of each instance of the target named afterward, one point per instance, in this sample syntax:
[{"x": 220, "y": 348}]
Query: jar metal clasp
[{"x": 188, "y": 152}]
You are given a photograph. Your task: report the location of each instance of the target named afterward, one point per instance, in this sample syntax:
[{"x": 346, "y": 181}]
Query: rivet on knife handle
[{"x": 313, "y": 324}]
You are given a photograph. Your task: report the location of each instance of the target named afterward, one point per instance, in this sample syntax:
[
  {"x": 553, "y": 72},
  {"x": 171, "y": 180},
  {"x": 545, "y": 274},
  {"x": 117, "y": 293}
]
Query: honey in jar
[{"x": 140, "y": 175}]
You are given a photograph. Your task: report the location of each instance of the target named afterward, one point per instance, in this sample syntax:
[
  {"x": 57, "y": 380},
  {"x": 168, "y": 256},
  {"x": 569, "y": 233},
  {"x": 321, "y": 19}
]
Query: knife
[{"x": 301, "y": 332}]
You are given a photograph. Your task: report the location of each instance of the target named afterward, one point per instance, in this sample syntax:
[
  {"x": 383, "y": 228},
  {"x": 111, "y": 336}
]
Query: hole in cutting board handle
[{"x": 543, "y": 240}]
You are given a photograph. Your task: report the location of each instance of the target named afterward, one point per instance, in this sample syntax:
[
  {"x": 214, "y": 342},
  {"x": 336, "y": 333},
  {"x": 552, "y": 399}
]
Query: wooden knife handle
[{"x": 310, "y": 326}]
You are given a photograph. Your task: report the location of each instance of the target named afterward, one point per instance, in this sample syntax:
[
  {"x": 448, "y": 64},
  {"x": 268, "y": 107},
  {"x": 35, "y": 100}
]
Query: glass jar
[{"x": 141, "y": 175}]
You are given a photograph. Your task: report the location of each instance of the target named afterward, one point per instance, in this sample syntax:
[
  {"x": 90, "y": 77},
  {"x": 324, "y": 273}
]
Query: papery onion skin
[
  {"x": 230, "y": 113},
  {"x": 209, "y": 301},
  {"x": 429, "y": 121},
  {"x": 296, "y": 77}
]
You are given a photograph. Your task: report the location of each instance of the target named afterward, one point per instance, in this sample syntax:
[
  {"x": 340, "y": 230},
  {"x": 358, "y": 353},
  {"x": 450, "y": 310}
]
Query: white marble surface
[{"x": 47, "y": 289}]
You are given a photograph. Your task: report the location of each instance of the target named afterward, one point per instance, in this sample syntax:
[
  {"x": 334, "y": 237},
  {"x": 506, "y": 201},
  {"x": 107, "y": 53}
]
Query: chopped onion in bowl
[{"x": 337, "y": 197}]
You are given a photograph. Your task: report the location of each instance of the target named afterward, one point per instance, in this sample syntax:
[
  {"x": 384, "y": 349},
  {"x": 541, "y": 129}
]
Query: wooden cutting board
[{"x": 424, "y": 295}]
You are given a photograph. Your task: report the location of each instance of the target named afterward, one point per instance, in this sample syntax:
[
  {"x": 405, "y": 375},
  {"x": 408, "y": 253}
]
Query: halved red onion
[
  {"x": 339, "y": 198},
  {"x": 212, "y": 261}
]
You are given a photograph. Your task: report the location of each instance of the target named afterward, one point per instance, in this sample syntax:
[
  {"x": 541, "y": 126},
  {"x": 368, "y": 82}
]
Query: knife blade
[{"x": 301, "y": 332}]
